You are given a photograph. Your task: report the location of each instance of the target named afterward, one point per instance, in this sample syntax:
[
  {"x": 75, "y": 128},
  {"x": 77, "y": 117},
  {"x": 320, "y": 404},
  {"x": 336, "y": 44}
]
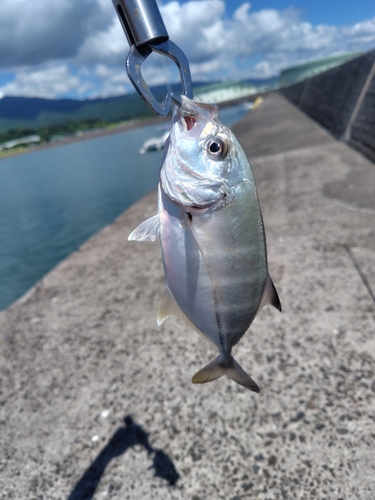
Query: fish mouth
[
  {"x": 189, "y": 121},
  {"x": 190, "y": 112}
]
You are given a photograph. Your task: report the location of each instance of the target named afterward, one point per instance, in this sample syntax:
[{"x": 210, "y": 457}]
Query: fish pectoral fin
[
  {"x": 147, "y": 231},
  {"x": 270, "y": 295},
  {"x": 219, "y": 367}
]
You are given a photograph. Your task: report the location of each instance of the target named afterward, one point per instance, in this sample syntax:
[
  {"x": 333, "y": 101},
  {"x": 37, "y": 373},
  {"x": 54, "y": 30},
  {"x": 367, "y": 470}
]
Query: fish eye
[{"x": 217, "y": 148}]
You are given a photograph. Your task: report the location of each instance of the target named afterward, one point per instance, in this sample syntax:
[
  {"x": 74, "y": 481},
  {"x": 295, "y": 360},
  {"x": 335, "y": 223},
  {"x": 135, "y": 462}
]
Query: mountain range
[
  {"x": 36, "y": 112},
  {"x": 32, "y": 113}
]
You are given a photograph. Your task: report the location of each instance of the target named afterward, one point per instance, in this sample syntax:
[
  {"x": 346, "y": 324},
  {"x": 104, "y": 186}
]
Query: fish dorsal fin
[
  {"x": 169, "y": 307},
  {"x": 147, "y": 231},
  {"x": 269, "y": 295}
]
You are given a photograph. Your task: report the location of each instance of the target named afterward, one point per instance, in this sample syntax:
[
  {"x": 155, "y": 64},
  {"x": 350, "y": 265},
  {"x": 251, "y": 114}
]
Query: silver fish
[{"x": 212, "y": 237}]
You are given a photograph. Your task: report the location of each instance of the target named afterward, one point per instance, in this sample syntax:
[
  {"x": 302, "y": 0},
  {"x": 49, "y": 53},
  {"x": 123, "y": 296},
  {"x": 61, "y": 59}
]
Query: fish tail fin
[
  {"x": 219, "y": 367},
  {"x": 215, "y": 369},
  {"x": 238, "y": 374}
]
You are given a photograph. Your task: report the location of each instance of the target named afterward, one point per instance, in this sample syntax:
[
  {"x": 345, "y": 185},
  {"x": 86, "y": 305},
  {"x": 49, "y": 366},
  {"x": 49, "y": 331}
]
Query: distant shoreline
[
  {"x": 131, "y": 125},
  {"x": 85, "y": 136}
]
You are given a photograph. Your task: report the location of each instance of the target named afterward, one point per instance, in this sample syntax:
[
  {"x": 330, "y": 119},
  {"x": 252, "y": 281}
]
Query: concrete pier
[
  {"x": 96, "y": 401},
  {"x": 342, "y": 99}
]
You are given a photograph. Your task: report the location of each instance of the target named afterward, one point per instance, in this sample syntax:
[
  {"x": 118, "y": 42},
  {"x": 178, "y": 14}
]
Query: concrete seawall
[
  {"x": 96, "y": 401},
  {"x": 342, "y": 99}
]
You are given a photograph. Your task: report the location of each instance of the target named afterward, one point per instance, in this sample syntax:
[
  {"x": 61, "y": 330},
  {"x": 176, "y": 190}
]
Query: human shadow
[{"x": 125, "y": 437}]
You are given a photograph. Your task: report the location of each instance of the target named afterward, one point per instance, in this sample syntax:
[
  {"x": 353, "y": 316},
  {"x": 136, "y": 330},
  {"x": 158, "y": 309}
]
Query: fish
[{"x": 212, "y": 239}]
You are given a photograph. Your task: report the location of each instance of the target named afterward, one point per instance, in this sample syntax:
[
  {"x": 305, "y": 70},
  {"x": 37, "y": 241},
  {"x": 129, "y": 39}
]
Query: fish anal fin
[
  {"x": 169, "y": 307},
  {"x": 219, "y": 367},
  {"x": 147, "y": 231},
  {"x": 270, "y": 295}
]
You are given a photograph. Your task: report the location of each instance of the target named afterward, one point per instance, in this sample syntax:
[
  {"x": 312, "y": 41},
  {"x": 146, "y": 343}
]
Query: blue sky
[
  {"x": 77, "y": 49},
  {"x": 335, "y": 13}
]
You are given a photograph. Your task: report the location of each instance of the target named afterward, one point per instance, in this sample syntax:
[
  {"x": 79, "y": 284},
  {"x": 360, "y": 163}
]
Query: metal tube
[{"x": 141, "y": 21}]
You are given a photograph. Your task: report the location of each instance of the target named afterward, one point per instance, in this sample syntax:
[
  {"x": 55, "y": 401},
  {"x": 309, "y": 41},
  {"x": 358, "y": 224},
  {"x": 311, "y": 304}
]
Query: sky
[{"x": 77, "y": 49}]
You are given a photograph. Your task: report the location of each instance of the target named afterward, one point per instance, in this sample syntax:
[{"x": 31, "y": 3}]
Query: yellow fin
[{"x": 169, "y": 307}]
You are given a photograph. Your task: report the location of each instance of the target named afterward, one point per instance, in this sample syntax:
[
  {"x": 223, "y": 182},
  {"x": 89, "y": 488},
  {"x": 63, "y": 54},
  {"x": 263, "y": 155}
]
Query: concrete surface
[{"x": 96, "y": 400}]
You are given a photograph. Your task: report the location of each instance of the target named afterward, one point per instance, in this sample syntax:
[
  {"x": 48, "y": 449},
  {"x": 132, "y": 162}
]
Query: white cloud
[
  {"x": 109, "y": 47},
  {"x": 82, "y": 43},
  {"x": 47, "y": 82},
  {"x": 112, "y": 81},
  {"x": 254, "y": 44},
  {"x": 33, "y": 32}
]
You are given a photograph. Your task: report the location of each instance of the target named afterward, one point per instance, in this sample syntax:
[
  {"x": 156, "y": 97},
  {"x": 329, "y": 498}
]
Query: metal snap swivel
[{"x": 146, "y": 33}]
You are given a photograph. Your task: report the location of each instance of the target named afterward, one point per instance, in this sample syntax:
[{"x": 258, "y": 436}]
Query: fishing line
[{"x": 197, "y": 98}]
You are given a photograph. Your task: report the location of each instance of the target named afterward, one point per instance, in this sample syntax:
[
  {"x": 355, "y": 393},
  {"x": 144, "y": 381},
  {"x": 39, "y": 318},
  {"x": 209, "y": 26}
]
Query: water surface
[{"x": 52, "y": 200}]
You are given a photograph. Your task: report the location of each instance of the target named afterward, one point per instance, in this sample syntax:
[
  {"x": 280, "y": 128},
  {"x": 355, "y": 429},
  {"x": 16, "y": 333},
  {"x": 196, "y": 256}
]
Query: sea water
[{"x": 52, "y": 200}]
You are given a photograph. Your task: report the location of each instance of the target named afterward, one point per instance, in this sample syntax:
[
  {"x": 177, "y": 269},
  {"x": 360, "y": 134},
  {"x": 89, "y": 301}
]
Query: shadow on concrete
[{"x": 125, "y": 437}]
